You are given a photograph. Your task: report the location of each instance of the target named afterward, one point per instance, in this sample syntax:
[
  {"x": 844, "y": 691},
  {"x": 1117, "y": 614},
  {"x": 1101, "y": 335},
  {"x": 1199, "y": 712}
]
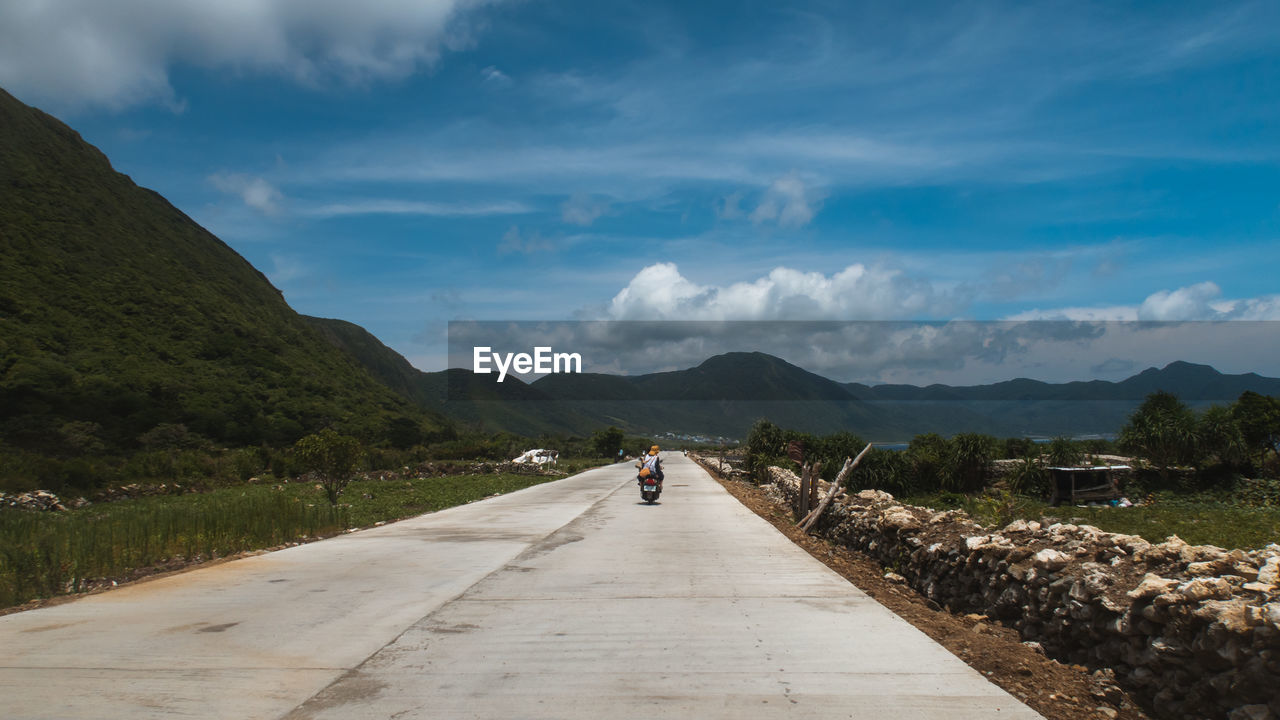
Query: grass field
[
  {"x": 47, "y": 554},
  {"x": 1199, "y": 520}
]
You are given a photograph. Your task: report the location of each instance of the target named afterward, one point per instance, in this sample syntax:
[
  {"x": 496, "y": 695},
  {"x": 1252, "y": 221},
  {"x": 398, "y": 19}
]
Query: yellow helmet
[
  {"x": 644, "y": 472},
  {"x": 653, "y": 450}
]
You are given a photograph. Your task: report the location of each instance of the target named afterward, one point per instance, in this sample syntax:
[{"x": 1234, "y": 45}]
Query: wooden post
[
  {"x": 802, "y": 502},
  {"x": 815, "y": 474},
  {"x": 812, "y": 518}
]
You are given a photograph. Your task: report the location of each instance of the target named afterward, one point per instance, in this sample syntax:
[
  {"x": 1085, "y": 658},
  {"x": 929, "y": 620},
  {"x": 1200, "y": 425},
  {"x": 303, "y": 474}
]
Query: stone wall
[{"x": 1194, "y": 631}]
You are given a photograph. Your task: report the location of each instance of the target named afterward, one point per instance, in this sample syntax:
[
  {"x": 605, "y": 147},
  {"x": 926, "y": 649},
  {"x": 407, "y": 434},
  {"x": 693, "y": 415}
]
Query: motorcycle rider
[{"x": 654, "y": 464}]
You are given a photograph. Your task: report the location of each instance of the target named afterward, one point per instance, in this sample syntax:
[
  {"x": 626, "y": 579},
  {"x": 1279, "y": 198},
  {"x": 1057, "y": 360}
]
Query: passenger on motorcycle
[{"x": 653, "y": 463}]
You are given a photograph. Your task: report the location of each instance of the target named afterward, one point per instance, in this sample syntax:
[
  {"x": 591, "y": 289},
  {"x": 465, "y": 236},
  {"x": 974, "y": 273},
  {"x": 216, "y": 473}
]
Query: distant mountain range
[
  {"x": 1189, "y": 381},
  {"x": 726, "y": 394},
  {"x": 122, "y": 319}
]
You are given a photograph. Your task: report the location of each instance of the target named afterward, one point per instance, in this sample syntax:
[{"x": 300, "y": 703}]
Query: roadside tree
[
  {"x": 1259, "y": 421},
  {"x": 607, "y": 443},
  {"x": 331, "y": 458}
]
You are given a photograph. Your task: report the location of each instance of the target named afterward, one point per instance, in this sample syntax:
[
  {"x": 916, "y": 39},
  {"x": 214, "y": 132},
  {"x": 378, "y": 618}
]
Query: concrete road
[{"x": 565, "y": 600}]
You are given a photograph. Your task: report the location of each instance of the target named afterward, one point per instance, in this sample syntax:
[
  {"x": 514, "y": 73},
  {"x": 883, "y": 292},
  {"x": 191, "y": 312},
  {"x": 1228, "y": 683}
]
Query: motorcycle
[{"x": 650, "y": 488}]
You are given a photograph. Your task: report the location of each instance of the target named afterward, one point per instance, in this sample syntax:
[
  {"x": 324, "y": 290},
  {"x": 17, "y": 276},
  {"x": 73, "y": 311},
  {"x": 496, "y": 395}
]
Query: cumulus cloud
[
  {"x": 859, "y": 324},
  {"x": 858, "y": 292},
  {"x": 582, "y": 209},
  {"x": 788, "y": 202},
  {"x": 88, "y": 52},
  {"x": 1263, "y": 308},
  {"x": 1202, "y": 301},
  {"x": 1188, "y": 303},
  {"x": 256, "y": 192},
  {"x": 856, "y": 324}
]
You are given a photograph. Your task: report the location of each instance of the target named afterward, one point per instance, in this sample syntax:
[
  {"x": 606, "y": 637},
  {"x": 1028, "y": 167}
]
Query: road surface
[{"x": 565, "y": 600}]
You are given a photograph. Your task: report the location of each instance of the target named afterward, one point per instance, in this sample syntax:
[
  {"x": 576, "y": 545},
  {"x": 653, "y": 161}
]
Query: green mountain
[
  {"x": 511, "y": 406},
  {"x": 386, "y": 365},
  {"x": 120, "y": 318},
  {"x": 721, "y": 396},
  {"x": 727, "y": 393}
]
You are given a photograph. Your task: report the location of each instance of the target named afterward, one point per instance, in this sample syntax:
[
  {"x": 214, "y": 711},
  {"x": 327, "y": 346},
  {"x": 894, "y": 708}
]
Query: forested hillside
[{"x": 125, "y": 326}]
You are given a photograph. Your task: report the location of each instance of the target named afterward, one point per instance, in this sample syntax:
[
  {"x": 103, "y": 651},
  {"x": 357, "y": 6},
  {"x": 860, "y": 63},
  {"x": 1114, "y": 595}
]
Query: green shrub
[
  {"x": 967, "y": 461},
  {"x": 1064, "y": 452},
  {"x": 887, "y": 470}
]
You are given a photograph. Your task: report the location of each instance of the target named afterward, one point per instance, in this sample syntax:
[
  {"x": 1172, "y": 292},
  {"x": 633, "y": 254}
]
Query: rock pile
[
  {"x": 40, "y": 500},
  {"x": 137, "y": 490},
  {"x": 1192, "y": 630}
]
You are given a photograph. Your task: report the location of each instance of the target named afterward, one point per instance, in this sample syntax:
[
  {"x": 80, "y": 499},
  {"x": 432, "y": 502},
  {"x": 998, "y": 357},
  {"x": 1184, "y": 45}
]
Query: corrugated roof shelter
[{"x": 1085, "y": 484}]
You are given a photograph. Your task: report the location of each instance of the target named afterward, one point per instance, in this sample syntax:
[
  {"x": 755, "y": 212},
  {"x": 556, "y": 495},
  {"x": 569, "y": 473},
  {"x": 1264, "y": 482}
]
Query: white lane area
[
  {"x": 253, "y": 638},
  {"x": 692, "y": 608},
  {"x": 566, "y": 600}
]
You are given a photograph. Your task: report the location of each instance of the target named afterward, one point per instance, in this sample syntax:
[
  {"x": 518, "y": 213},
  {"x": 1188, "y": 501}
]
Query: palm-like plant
[
  {"x": 968, "y": 461},
  {"x": 1063, "y": 452},
  {"x": 887, "y": 470},
  {"x": 927, "y": 454},
  {"x": 1029, "y": 476},
  {"x": 1221, "y": 436},
  {"x": 1163, "y": 432}
]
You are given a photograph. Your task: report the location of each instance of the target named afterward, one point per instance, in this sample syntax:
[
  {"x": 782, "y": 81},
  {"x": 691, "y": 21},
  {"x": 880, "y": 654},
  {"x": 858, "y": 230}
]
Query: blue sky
[{"x": 404, "y": 163}]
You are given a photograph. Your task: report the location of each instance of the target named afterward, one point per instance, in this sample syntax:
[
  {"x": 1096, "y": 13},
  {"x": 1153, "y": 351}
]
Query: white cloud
[
  {"x": 787, "y": 202},
  {"x": 88, "y": 52},
  {"x": 1262, "y": 308},
  {"x": 858, "y": 292},
  {"x": 1188, "y": 303},
  {"x": 1202, "y": 301},
  {"x": 414, "y": 207},
  {"x": 1078, "y": 314},
  {"x": 582, "y": 209},
  {"x": 495, "y": 77},
  {"x": 256, "y": 192}
]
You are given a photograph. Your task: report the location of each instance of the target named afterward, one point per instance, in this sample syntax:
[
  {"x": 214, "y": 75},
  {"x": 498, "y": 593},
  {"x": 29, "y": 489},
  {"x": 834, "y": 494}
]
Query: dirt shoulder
[{"x": 1056, "y": 691}]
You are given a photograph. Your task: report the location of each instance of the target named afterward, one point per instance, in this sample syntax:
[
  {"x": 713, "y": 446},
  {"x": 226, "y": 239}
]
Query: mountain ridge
[
  {"x": 121, "y": 316},
  {"x": 798, "y": 398}
]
